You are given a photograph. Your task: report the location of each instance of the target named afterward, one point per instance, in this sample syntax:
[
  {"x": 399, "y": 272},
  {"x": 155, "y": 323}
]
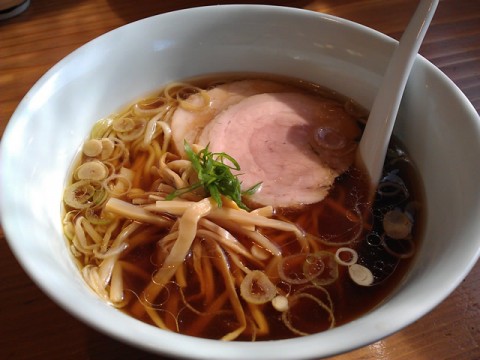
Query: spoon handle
[{"x": 376, "y": 136}]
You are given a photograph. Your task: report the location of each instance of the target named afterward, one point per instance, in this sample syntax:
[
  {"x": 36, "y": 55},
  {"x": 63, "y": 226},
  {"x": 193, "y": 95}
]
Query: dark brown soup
[{"x": 166, "y": 234}]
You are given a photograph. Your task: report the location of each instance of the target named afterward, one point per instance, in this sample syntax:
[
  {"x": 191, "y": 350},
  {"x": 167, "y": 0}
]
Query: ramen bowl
[{"x": 47, "y": 129}]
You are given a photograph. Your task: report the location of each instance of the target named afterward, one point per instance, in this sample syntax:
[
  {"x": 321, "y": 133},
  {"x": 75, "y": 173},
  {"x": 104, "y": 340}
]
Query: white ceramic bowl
[{"x": 437, "y": 124}]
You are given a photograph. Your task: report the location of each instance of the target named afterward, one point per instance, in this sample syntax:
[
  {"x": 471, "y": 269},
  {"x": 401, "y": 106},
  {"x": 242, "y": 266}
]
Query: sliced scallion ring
[
  {"x": 361, "y": 275},
  {"x": 353, "y": 256}
]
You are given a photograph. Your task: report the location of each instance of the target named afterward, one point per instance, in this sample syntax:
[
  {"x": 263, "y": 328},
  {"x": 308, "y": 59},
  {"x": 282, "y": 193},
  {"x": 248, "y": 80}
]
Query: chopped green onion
[{"x": 215, "y": 176}]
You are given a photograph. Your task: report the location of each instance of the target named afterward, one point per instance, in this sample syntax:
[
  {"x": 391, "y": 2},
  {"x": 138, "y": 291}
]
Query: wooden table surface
[{"x": 34, "y": 327}]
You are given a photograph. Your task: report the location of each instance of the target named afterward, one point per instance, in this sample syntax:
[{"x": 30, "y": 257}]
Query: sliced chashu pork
[
  {"x": 295, "y": 144},
  {"x": 187, "y": 125}
]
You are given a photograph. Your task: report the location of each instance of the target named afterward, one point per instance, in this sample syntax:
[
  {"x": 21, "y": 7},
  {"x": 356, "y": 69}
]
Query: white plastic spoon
[{"x": 376, "y": 136}]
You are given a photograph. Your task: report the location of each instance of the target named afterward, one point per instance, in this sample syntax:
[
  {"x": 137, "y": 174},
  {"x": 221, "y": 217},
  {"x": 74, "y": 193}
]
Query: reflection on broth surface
[{"x": 228, "y": 207}]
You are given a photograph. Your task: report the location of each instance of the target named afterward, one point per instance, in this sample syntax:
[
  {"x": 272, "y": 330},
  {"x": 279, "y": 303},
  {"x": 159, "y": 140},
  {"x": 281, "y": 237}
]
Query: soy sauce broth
[{"x": 333, "y": 222}]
